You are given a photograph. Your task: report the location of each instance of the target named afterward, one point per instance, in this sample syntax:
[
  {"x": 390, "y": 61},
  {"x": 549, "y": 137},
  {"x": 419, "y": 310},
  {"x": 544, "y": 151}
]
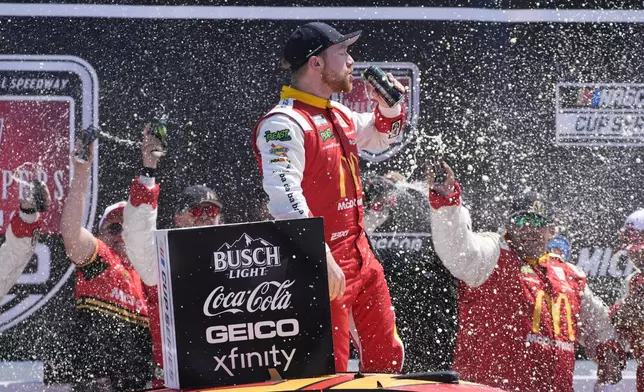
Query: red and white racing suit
[
  {"x": 139, "y": 221},
  {"x": 17, "y": 249},
  {"x": 628, "y": 317},
  {"x": 519, "y": 322},
  {"x": 307, "y": 149}
]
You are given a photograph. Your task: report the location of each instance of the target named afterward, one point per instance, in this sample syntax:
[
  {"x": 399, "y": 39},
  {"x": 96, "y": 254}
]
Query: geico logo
[
  {"x": 555, "y": 311},
  {"x": 251, "y": 331}
]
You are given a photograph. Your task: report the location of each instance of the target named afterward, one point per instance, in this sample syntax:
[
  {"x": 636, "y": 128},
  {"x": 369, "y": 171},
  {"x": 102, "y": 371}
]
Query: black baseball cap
[
  {"x": 195, "y": 195},
  {"x": 312, "y": 39},
  {"x": 532, "y": 203}
]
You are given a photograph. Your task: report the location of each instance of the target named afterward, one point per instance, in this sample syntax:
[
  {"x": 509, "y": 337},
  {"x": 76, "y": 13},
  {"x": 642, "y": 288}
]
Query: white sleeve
[
  {"x": 15, "y": 254},
  {"x": 595, "y": 326},
  {"x": 470, "y": 257},
  {"x": 282, "y": 164},
  {"x": 368, "y": 136},
  {"x": 138, "y": 224}
]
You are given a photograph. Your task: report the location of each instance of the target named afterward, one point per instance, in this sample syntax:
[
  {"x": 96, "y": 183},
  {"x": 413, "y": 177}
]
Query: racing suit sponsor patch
[
  {"x": 319, "y": 120},
  {"x": 339, "y": 235},
  {"x": 278, "y": 150},
  {"x": 287, "y": 188},
  {"x": 280, "y": 160},
  {"x": 282, "y": 135},
  {"x": 347, "y": 204},
  {"x": 326, "y": 134},
  {"x": 396, "y": 127}
]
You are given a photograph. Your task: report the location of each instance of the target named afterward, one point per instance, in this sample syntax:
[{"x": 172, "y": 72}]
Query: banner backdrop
[{"x": 521, "y": 99}]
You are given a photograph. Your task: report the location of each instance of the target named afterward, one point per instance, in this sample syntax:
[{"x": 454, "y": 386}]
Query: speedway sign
[
  {"x": 240, "y": 300},
  {"x": 43, "y": 101}
]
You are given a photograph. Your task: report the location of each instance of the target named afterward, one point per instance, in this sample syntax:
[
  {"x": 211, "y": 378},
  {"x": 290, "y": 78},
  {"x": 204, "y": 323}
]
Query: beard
[{"x": 339, "y": 83}]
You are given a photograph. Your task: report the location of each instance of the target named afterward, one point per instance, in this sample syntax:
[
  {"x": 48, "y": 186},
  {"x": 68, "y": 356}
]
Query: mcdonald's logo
[{"x": 555, "y": 311}]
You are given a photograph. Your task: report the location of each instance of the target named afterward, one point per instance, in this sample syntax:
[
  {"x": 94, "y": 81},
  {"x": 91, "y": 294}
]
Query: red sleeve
[
  {"x": 22, "y": 229},
  {"x": 610, "y": 346},
  {"x": 390, "y": 125},
  {"x": 454, "y": 199},
  {"x": 141, "y": 194}
]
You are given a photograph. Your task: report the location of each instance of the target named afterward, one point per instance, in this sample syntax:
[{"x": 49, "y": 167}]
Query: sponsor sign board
[{"x": 240, "y": 300}]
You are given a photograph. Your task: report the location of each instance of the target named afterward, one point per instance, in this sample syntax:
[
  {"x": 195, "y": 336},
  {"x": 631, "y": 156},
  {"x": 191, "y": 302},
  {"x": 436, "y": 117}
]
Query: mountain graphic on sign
[{"x": 245, "y": 242}]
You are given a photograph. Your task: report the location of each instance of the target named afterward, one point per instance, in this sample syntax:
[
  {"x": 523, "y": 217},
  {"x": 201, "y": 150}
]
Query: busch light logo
[
  {"x": 246, "y": 257},
  {"x": 359, "y": 101},
  {"x": 43, "y": 100}
]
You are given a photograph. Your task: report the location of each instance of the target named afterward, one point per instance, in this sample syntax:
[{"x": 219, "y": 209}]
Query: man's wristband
[{"x": 148, "y": 171}]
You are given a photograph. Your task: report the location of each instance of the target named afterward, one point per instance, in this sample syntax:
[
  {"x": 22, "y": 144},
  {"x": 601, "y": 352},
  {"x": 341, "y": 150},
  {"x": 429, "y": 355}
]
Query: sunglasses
[
  {"x": 114, "y": 228},
  {"x": 530, "y": 220},
  {"x": 210, "y": 211}
]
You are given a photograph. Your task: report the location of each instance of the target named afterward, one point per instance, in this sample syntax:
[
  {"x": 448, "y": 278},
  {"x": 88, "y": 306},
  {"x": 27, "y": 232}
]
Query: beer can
[
  {"x": 435, "y": 164},
  {"x": 159, "y": 129},
  {"x": 383, "y": 86},
  {"x": 87, "y": 136}
]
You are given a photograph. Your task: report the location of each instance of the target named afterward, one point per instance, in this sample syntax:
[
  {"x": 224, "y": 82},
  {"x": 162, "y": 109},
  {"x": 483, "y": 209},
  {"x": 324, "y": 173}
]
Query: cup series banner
[
  {"x": 522, "y": 95},
  {"x": 238, "y": 300}
]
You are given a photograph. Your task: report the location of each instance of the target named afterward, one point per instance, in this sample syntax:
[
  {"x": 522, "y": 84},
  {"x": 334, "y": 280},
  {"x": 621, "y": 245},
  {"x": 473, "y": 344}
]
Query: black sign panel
[{"x": 238, "y": 300}]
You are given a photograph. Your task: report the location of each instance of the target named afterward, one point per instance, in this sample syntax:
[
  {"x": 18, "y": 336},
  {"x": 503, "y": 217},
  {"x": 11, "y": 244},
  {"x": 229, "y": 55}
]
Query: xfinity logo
[
  {"x": 246, "y": 257},
  {"x": 271, "y": 358},
  {"x": 251, "y": 331}
]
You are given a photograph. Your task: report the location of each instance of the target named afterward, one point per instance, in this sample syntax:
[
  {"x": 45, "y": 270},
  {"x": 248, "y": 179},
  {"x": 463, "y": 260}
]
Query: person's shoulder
[
  {"x": 284, "y": 115},
  {"x": 344, "y": 109},
  {"x": 107, "y": 254},
  {"x": 573, "y": 269}
]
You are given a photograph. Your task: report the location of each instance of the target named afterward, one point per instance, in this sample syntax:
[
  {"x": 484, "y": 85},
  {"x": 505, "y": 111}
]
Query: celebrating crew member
[
  {"x": 22, "y": 235},
  {"x": 307, "y": 149},
  {"x": 198, "y": 206},
  {"x": 521, "y": 314},
  {"x": 114, "y": 339},
  {"x": 628, "y": 313}
]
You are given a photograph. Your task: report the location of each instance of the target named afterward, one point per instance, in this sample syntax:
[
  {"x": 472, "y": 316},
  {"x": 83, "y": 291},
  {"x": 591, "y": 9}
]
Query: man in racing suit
[
  {"x": 21, "y": 235},
  {"x": 307, "y": 149},
  {"x": 114, "y": 348},
  {"x": 521, "y": 314},
  {"x": 628, "y": 312},
  {"x": 198, "y": 206}
]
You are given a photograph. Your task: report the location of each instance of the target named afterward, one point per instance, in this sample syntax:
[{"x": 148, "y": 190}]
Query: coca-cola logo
[{"x": 271, "y": 295}]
